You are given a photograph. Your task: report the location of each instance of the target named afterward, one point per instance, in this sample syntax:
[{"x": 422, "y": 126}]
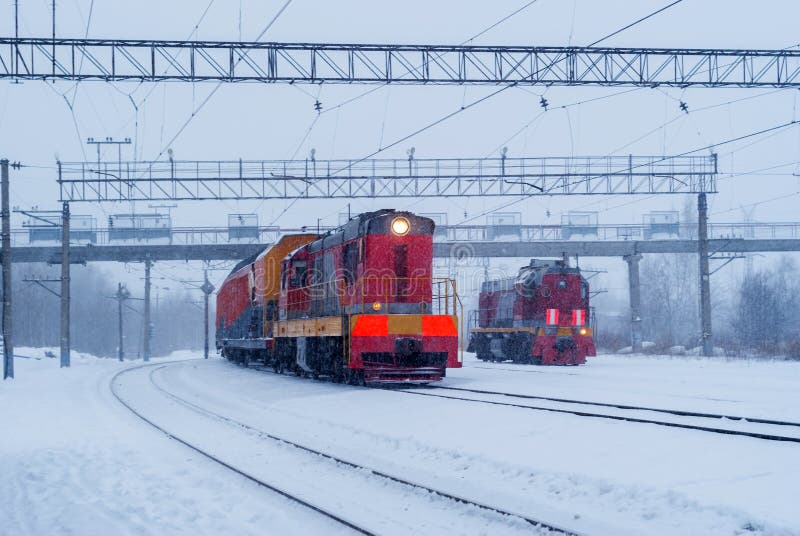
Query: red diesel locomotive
[
  {"x": 541, "y": 317},
  {"x": 358, "y": 304}
]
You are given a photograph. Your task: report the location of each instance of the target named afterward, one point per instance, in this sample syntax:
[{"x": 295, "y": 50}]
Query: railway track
[
  {"x": 325, "y": 513},
  {"x": 561, "y": 405},
  {"x": 539, "y": 524}
]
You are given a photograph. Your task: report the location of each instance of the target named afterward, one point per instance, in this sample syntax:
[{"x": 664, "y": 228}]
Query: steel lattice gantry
[
  {"x": 324, "y": 179},
  {"x": 111, "y": 60}
]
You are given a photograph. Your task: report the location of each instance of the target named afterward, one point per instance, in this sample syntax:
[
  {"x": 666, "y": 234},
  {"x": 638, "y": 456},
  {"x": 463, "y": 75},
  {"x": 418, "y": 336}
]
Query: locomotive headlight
[
  {"x": 376, "y": 306},
  {"x": 583, "y": 331},
  {"x": 400, "y": 226}
]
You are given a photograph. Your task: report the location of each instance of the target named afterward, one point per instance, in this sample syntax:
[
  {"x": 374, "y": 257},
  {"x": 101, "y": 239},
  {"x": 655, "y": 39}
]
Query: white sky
[{"x": 270, "y": 121}]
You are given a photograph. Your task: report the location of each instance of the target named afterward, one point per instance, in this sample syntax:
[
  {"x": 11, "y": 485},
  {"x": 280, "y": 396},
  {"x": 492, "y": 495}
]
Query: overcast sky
[{"x": 256, "y": 121}]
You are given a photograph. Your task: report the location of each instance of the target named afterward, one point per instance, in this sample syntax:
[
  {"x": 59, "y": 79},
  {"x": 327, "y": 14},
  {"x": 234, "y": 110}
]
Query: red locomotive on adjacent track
[
  {"x": 542, "y": 316},
  {"x": 358, "y": 304}
]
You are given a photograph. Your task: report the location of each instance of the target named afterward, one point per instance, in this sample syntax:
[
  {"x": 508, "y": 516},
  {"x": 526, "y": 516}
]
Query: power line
[
  {"x": 485, "y": 30},
  {"x": 634, "y": 23},
  {"x": 219, "y": 84},
  {"x": 707, "y": 147}
]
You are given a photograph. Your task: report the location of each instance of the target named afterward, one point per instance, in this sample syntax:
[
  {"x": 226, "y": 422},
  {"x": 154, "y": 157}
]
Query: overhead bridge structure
[
  {"x": 194, "y": 61},
  {"x": 391, "y": 178},
  {"x": 458, "y": 242}
]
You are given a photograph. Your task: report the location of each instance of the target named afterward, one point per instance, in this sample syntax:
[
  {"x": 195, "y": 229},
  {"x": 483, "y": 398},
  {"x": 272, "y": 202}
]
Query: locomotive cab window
[
  {"x": 584, "y": 290},
  {"x": 298, "y": 274},
  {"x": 562, "y": 283}
]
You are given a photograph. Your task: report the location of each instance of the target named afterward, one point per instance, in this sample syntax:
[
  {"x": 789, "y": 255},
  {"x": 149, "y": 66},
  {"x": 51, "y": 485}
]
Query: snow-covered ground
[{"x": 74, "y": 461}]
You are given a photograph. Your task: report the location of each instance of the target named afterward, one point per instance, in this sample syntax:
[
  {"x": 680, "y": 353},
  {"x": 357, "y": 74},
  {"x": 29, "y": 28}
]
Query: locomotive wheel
[
  {"x": 338, "y": 373},
  {"x": 354, "y": 377}
]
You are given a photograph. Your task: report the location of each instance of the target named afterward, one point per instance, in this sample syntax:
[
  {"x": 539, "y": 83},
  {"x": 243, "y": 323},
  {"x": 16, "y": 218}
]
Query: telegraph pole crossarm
[{"x": 41, "y": 283}]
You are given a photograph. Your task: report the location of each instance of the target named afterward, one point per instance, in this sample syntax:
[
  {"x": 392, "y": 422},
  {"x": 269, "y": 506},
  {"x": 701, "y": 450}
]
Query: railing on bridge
[{"x": 451, "y": 233}]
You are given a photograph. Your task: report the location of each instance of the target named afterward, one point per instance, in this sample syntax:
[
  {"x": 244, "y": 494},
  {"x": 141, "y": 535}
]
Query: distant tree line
[
  {"x": 755, "y": 314},
  {"x": 765, "y": 319},
  {"x": 178, "y": 323}
]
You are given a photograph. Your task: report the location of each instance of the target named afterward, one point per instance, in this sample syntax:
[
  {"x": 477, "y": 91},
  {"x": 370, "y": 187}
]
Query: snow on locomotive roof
[
  {"x": 358, "y": 226},
  {"x": 532, "y": 273}
]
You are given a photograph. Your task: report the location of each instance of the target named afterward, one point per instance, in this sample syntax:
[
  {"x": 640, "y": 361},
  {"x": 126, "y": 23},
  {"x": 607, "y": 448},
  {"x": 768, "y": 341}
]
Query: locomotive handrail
[{"x": 376, "y": 293}]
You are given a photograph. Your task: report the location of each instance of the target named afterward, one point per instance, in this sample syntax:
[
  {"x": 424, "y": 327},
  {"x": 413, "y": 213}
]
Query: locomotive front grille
[{"x": 397, "y": 359}]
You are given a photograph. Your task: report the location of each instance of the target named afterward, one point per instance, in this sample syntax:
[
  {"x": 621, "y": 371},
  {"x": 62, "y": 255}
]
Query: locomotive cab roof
[
  {"x": 531, "y": 275},
  {"x": 375, "y": 222}
]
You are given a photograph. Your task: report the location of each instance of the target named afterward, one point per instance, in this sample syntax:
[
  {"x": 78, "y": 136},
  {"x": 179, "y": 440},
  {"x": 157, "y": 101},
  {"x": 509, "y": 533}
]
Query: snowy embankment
[
  {"x": 74, "y": 461},
  {"x": 77, "y": 462}
]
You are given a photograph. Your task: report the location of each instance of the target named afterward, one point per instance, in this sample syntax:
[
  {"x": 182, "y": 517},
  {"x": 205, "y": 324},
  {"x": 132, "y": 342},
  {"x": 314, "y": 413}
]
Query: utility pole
[
  {"x": 65, "y": 284},
  {"x": 207, "y": 289},
  {"x": 705, "y": 283},
  {"x": 5, "y": 215},
  {"x": 147, "y": 327},
  {"x": 121, "y": 296},
  {"x": 634, "y": 293}
]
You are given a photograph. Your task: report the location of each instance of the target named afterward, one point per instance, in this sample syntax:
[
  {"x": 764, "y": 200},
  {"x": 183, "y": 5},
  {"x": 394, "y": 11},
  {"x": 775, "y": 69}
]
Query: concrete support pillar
[
  {"x": 5, "y": 215},
  {"x": 705, "y": 276},
  {"x": 65, "y": 286},
  {"x": 635, "y": 300},
  {"x": 148, "y": 329}
]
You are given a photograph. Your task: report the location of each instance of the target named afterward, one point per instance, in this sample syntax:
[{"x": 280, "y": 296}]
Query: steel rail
[
  {"x": 682, "y": 413},
  {"x": 228, "y": 466},
  {"x": 757, "y": 435},
  {"x": 376, "y": 472}
]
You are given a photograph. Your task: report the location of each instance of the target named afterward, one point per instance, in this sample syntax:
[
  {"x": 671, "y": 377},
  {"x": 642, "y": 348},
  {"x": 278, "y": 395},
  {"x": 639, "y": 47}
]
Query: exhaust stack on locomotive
[
  {"x": 542, "y": 316},
  {"x": 358, "y": 304}
]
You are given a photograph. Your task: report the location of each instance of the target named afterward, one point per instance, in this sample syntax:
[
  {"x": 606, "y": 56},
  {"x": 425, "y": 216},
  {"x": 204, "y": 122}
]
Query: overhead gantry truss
[
  {"x": 116, "y": 60},
  {"x": 385, "y": 178}
]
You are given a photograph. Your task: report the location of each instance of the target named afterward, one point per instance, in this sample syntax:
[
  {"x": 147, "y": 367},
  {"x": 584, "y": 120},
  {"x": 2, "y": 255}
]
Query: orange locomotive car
[{"x": 357, "y": 305}]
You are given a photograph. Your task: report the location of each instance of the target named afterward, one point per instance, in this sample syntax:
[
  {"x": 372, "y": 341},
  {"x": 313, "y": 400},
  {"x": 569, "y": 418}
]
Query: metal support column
[
  {"x": 148, "y": 329},
  {"x": 635, "y": 301},
  {"x": 122, "y": 295},
  {"x": 8, "y": 346},
  {"x": 705, "y": 283},
  {"x": 207, "y": 289},
  {"x": 65, "y": 284}
]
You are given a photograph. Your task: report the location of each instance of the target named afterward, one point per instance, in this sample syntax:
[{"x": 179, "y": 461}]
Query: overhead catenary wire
[
  {"x": 685, "y": 153},
  {"x": 208, "y": 97},
  {"x": 634, "y": 23},
  {"x": 472, "y": 38}
]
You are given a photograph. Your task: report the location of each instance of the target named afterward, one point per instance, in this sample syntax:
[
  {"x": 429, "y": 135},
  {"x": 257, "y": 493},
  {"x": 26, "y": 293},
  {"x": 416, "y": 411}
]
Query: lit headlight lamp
[{"x": 400, "y": 226}]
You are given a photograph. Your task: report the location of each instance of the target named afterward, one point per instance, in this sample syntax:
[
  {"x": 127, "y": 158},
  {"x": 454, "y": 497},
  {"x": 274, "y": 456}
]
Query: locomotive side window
[
  {"x": 298, "y": 273},
  {"x": 318, "y": 274},
  {"x": 350, "y": 262},
  {"x": 584, "y": 290}
]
